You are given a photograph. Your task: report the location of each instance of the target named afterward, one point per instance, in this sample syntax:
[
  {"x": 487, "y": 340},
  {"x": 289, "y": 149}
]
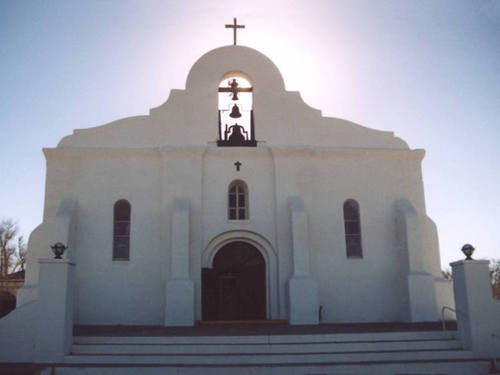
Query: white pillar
[
  {"x": 55, "y": 315},
  {"x": 179, "y": 296},
  {"x": 302, "y": 288},
  {"x": 478, "y": 314},
  {"x": 422, "y": 306}
]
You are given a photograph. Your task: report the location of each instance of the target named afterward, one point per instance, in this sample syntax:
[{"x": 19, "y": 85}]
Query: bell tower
[{"x": 236, "y": 124}]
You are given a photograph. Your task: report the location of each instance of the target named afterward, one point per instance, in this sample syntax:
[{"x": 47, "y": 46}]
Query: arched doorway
[{"x": 235, "y": 287}]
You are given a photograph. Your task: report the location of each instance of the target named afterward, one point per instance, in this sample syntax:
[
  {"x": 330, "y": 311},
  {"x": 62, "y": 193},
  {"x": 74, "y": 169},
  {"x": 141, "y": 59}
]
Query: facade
[{"x": 235, "y": 200}]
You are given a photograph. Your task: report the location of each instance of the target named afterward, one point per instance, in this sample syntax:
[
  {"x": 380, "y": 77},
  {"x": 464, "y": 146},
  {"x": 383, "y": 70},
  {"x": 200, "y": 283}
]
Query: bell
[{"x": 235, "y": 112}]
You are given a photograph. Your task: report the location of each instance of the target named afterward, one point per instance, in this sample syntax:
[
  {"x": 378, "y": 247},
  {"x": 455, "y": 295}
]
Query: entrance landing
[{"x": 245, "y": 328}]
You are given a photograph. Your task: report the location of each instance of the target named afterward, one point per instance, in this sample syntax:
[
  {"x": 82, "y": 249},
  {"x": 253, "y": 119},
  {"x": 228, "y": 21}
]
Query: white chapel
[
  {"x": 235, "y": 200},
  {"x": 235, "y": 203}
]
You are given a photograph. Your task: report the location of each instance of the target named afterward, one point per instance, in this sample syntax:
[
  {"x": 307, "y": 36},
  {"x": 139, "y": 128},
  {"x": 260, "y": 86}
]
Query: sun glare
[{"x": 235, "y": 106}]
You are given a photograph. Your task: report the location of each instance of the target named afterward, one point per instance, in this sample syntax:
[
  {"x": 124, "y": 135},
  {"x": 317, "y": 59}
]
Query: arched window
[
  {"x": 352, "y": 228},
  {"x": 237, "y": 205},
  {"x": 121, "y": 230}
]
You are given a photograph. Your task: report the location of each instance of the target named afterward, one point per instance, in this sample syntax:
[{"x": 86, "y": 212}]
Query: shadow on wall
[
  {"x": 7, "y": 303},
  {"x": 8, "y": 290}
]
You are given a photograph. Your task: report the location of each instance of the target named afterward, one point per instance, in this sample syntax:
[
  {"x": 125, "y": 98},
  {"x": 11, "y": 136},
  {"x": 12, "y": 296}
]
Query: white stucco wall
[{"x": 170, "y": 154}]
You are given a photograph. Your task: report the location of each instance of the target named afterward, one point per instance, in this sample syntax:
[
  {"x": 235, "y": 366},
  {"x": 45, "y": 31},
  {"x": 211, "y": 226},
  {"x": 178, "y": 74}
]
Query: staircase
[{"x": 368, "y": 353}]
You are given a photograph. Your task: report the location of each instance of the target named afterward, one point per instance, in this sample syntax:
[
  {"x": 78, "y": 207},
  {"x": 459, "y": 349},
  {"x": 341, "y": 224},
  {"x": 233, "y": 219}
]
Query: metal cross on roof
[{"x": 235, "y": 26}]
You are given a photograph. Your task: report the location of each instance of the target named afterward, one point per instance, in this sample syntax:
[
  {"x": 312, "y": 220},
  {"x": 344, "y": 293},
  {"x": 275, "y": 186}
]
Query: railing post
[
  {"x": 443, "y": 322},
  {"x": 478, "y": 317},
  {"x": 55, "y": 315}
]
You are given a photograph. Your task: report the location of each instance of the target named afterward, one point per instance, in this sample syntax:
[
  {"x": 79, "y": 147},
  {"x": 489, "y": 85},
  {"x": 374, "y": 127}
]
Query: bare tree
[
  {"x": 20, "y": 256},
  {"x": 12, "y": 252},
  {"x": 8, "y": 232}
]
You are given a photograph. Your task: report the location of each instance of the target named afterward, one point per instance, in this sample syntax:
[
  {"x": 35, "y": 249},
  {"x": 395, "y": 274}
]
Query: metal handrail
[{"x": 442, "y": 315}]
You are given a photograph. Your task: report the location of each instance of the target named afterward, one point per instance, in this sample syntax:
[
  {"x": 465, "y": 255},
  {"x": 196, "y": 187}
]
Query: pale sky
[{"x": 428, "y": 70}]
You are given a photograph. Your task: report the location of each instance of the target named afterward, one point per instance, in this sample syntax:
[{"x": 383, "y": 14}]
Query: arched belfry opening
[
  {"x": 234, "y": 288},
  {"x": 235, "y": 106}
]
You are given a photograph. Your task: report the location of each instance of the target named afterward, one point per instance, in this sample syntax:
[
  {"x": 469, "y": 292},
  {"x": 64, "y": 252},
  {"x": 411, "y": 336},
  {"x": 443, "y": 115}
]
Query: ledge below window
[
  {"x": 246, "y": 221},
  {"x": 251, "y": 143}
]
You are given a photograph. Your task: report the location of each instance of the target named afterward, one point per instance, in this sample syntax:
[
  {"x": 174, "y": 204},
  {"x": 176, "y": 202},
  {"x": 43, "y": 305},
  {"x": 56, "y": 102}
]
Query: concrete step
[
  {"x": 257, "y": 359},
  {"x": 332, "y": 347},
  {"x": 373, "y": 353},
  {"x": 474, "y": 367},
  {"x": 269, "y": 338}
]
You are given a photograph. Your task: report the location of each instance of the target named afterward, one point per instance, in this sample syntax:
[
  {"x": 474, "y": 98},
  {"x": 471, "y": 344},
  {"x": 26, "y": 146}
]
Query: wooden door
[{"x": 235, "y": 287}]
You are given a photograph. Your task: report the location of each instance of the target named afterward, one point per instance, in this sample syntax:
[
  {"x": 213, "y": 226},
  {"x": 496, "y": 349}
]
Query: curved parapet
[
  {"x": 127, "y": 132},
  {"x": 190, "y": 116},
  {"x": 210, "y": 68}
]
